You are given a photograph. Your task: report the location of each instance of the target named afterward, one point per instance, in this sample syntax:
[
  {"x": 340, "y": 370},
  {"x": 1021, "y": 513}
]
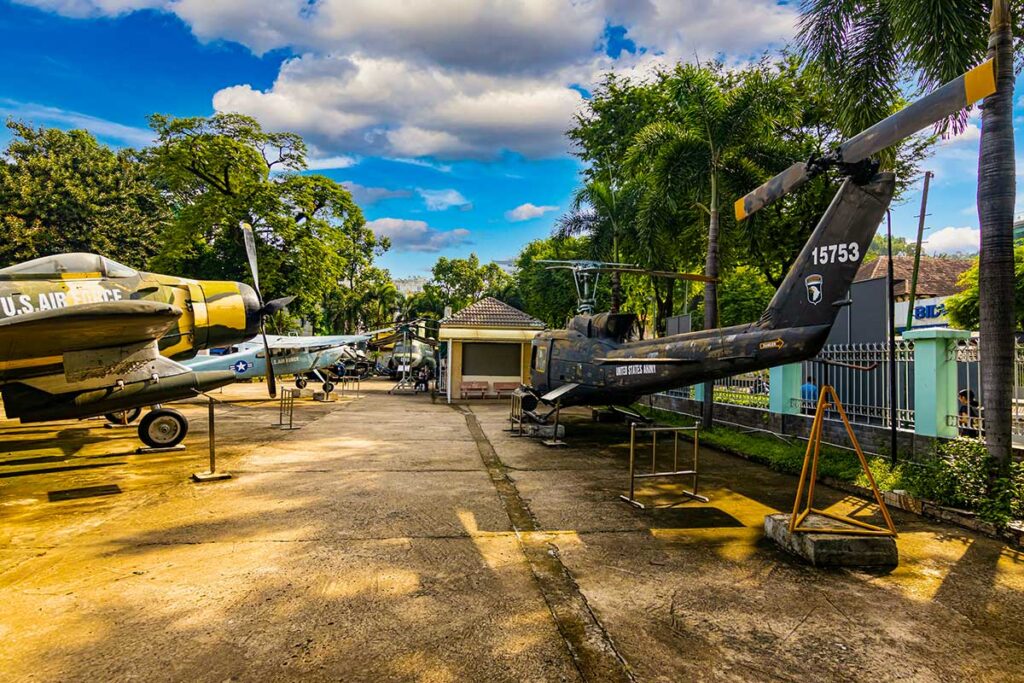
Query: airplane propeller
[
  {"x": 945, "y": 101},
  {"x": 266, "y": 309}
]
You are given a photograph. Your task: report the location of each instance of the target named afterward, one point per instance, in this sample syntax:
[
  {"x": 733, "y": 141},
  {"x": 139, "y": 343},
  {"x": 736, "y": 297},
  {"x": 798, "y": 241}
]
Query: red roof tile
[{"x": 489, "y": 312}]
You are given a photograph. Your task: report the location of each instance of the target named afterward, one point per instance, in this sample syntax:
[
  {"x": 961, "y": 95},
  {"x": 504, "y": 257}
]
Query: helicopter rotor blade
[
  {"x": 424, "y": 340},
  {"x": 772, "y": 191},
  {"x": 944, "y": 101},
  {"x": 693, "y": 277},
  {"x": 941, "y": 103}
]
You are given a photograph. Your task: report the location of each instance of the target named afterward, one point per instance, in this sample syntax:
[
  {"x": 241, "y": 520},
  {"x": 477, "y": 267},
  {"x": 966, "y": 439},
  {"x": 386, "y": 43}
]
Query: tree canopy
[
  {"x": 312, "y": 238},
  {"x": 63, "y": 191}
]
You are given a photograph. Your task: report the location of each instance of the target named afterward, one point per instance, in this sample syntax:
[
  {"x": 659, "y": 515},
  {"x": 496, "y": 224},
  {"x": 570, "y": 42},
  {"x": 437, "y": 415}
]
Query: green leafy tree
[
  {"x": 744, "y": 294},
  {"x": 963, "y": 309},
  {"x": 62, "y": 191},
  {"x": 458, "y": 282},
  {"x": 870, "y": 49},
  {"x": 602, "y": 211},
  {"x": 618, "y": 109},
  {"x": 549, "y": 295},
  {"x": 879, "y": 246},
  {"x": 707, "y": 152},
  {"x": 221, "y": 170}
]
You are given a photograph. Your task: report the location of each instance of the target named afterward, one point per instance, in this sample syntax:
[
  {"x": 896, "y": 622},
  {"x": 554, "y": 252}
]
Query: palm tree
[
  {"x": 601, "y": 211},
  {"x": 707, "y": 154},
  {"x": 869, "y": 49}
]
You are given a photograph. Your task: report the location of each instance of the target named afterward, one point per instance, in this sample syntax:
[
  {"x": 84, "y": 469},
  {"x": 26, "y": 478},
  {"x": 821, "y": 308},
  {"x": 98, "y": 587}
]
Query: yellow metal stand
[{"x": 810, "y": 472}]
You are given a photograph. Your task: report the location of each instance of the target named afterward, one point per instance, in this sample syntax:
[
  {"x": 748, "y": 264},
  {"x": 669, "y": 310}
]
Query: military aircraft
[
  {"x": 410, "y": 350},
  {"x": 593, "y": 362},
  {"x": 82, "y": 335},
  {"x": 289, "y": 356}
]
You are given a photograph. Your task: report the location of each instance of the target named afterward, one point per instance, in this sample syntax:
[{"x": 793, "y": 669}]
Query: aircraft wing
[
  {"x": 316, "y": 342},
  {"x": 43, "y": 334}
]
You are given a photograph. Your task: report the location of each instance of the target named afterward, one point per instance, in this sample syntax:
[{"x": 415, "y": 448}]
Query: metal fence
[
  {"x": 970, "y": 417},
  {"x": 749, "y": 390},
  {"x": 860, "y": 375}
]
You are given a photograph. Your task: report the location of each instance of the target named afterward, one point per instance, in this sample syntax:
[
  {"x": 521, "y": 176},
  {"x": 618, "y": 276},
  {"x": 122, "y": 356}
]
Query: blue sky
[{"x": 445, "y": 119}]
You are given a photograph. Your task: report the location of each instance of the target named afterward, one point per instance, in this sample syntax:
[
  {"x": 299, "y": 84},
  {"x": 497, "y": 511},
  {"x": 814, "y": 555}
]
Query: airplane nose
[{"x": 252, "y": 309}]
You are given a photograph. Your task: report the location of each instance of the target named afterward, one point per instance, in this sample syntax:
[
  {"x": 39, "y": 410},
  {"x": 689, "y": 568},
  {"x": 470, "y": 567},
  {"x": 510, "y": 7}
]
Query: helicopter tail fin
[{"x": 819, "y": 280}]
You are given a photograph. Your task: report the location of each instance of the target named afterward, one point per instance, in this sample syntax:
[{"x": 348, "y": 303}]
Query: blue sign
[
  {"x": 929, "y": 312},
  {"x": 240, "y": 366}
]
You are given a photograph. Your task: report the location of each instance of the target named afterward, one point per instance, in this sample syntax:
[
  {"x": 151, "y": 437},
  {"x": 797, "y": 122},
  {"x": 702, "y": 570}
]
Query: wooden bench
[
  {"x": 503, "y": 389},
  {"x": 477, "y": 389}
]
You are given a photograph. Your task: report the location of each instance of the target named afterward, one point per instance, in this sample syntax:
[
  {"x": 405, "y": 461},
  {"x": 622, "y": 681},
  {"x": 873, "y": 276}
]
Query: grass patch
[
  {"x": 955, "y": 475},
  {"x": 779, "y": 455}
]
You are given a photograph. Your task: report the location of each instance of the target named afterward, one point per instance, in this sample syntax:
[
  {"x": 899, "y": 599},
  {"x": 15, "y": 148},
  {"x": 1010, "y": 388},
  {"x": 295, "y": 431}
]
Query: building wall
[{"x": 457, "y": 378}]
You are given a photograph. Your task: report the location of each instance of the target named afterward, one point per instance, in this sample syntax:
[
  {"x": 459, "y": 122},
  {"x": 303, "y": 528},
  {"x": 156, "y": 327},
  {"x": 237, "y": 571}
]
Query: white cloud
[
  {"x": 439, "y": 200},
  {"x": 447, "y": 78},
  {"x": 37, "y": 113},
  {"x": 525, "y": 212},
  {"x": 325, "y": 163},
  {"x": 92, "y": 8},
  {"x": 953, "y": 240},
  {"x": 371, "y": 195},
  {"x": 410, "y": 235}
]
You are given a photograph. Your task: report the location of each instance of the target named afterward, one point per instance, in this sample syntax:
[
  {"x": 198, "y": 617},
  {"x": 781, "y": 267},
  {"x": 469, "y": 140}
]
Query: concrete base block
[
  {"x": 143, "y": 450},
  {"x": 831, "y": 550},
  {"x": 200, "y": 477}
]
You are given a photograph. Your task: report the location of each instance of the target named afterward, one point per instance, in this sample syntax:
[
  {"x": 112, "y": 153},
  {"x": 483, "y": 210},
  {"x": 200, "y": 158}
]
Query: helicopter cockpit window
[
  {"x": 540, "y": 358},
  {"x": 61, "y": 264}
]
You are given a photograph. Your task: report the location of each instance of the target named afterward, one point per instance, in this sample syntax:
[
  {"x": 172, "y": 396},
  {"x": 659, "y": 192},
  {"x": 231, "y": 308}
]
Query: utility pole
[
  {"x": 928, "y": 175},
  {"x": 891, "y": 301}
]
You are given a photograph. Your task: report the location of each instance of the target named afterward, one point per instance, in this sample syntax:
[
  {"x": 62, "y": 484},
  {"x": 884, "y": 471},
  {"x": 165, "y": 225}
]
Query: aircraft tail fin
[{"x": 819, "y": 280}]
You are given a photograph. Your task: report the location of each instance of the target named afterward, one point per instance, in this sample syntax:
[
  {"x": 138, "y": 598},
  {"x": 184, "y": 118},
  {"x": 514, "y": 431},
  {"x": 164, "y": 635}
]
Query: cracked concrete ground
[{"x": 395, "y": 539}]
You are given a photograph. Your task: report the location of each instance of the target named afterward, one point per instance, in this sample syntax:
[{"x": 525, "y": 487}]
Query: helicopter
[{"x": 593, "y": 362}]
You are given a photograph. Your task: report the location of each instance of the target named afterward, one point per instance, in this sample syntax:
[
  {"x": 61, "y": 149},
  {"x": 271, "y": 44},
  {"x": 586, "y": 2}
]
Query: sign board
[{"x": 929, "y": 312}]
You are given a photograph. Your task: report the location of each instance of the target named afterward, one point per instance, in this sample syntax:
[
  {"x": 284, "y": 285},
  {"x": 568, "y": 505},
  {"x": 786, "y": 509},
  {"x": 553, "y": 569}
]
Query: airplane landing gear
[
  {"x": 300, "y": 382},
  {"x": 328, "y": 387},
  {"x": 123, "y": 417},
  {"x": 163, "y": 428}
]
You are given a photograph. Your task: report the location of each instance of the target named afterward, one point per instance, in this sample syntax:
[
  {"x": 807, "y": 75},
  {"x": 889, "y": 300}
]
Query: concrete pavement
[{"x": 395, "y": 539}]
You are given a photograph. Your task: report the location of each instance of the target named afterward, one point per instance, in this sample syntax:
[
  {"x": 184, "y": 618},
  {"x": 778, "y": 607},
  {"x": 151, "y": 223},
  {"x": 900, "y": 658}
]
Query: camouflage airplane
[
  {"x": 81, "y": 335},
  {"x": 593, "y": 362}
]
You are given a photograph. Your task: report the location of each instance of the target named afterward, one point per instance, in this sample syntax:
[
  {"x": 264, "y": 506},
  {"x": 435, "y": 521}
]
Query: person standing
[{"x": 809, "y": 395}]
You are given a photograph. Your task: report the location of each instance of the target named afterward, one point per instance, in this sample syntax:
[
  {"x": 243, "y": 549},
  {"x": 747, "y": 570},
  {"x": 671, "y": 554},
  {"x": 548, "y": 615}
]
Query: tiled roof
[
  {"x": 489, "y": 312},
  {"x": 937, "y": 276}
]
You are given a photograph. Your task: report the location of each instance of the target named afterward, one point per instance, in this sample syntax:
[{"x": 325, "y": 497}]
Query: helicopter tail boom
[{"x": 817, "y": 283}]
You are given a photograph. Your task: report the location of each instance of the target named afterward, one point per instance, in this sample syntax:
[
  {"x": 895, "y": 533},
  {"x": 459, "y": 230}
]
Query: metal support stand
[
  {"x": 347, "y": 383},
  {"x": 212, "y": 474},
  {"x": 809, "y": 474},
  {"x": 286, "y": 409},
  {"x": 674, "y": 472},
  {"x": 515, "y": 414},
  {"x": 554, "y": 441}
]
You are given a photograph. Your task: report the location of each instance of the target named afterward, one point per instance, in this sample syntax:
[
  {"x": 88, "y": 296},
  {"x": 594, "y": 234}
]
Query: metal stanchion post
[
  {"x": 212, "y": 474},
  {"x": 554, "y": 441},
  {"x": 654, "y": 473}
]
